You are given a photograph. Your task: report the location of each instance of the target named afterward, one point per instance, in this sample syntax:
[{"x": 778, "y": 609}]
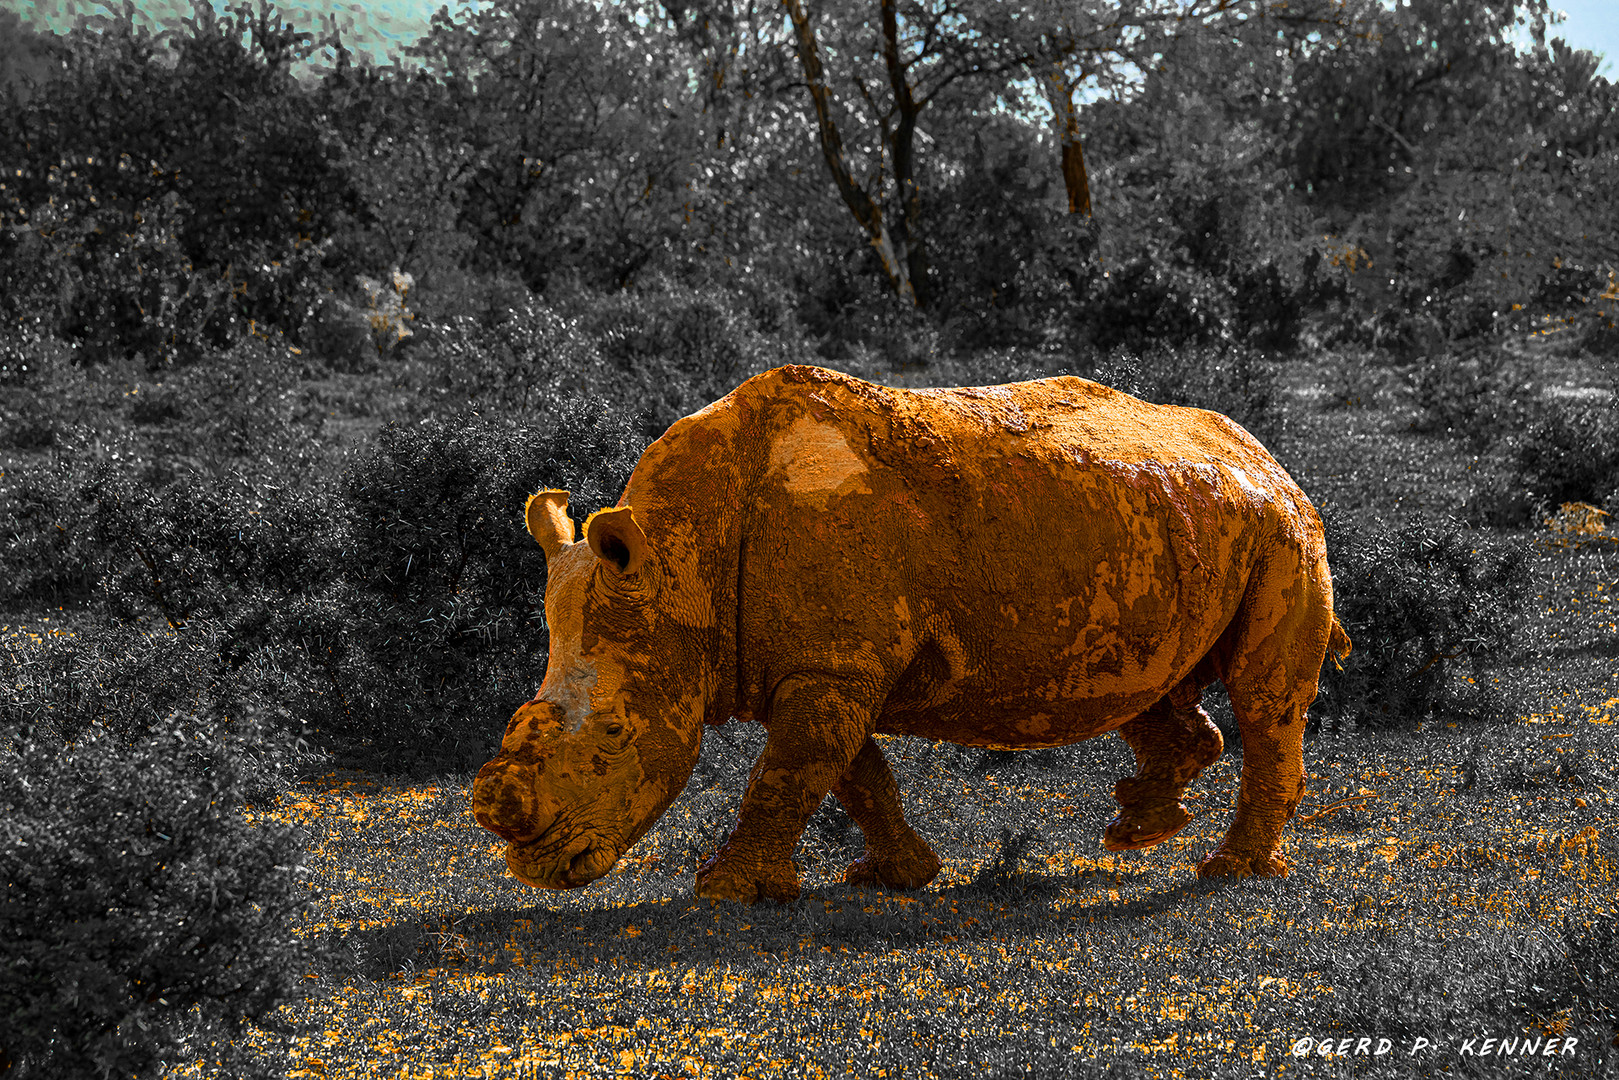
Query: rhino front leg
[
  {"x": 1173, "y": 742},
  {"x": 817, "y": 726},
  {"x": 895, "y": 857}
]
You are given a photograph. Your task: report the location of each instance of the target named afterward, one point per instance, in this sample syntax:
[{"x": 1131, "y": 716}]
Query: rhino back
[{"x": 1023, "y": 565}]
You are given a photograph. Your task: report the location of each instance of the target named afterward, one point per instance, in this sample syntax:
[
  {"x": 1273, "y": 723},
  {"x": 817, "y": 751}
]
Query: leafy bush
[
  {"x": 145, "y": 918},
  {"x": 1569, "y": 453},
  {"x": 676, "y": 349},
  {"x": 102, "y": 256},
  {"x": 394, "y": 611},
  {"x": 1144, "y": 303},
  {"x": 117, "y": 282},
  {"x": 1428, "y": 612},
  {"x": 213, "y": 150},
  {"x": 1204, "y": 240},
  {"x": 1228, "y": 379},
  {"x": 1002, "y": 251},
  {"x": 523, "y": 357},
  {"x": 1482, "y": 395}
]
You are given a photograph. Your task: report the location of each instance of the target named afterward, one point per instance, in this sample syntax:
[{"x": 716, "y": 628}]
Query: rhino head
[{"x": 597, "y": 756}]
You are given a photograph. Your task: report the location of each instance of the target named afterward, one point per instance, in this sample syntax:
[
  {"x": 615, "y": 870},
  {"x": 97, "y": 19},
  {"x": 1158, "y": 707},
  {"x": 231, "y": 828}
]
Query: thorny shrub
[
  {"x": 122, "y": 679},
  {"x": 1429, "y": 614},
  {"x": 1233, "y": 380},
  {"x": 146, "y": 919},
  {"x": 675, "y": 349},
  {"x": 394, "y": 610}
]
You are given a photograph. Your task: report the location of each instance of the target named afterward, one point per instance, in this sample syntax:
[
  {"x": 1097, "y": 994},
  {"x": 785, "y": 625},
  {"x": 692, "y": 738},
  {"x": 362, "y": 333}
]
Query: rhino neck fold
[{"x": 687, "y": 492}]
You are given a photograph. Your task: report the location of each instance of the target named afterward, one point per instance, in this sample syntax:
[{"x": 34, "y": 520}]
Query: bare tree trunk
[
  {"x": 867, "y": 211},
  {"x": 1060, "y": 92},
  {"x": 909, "y": 228}
]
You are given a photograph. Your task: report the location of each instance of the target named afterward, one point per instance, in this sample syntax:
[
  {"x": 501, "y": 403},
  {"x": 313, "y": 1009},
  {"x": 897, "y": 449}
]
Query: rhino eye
[{"x": 615, "y": 730}]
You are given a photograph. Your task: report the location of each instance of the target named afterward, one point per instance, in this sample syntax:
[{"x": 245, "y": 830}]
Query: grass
[{"x": 1426, "y": 904}]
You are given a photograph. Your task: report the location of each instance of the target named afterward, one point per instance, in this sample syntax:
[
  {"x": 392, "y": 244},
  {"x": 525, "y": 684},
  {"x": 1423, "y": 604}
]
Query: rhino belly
[{"x": 1029, "y": 694}]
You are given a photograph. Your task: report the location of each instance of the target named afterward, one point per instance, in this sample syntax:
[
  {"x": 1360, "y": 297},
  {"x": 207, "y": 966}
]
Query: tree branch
[{"x": 865, "y": 209}]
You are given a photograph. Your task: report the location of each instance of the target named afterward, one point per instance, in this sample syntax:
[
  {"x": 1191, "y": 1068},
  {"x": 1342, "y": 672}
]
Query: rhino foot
[
  {"x": 1228, "y": 864},
  {"x": 725, "y": 877},
  {"x": 1139, "y": 827},
  {"x": 913, "y": 870}
]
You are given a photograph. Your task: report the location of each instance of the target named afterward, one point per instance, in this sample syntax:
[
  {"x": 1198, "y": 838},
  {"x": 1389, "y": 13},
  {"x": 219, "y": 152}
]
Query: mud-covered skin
[{"x": 1019, "y": 566}]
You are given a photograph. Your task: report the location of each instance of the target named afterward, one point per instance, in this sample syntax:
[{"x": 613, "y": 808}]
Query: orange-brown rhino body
[{"x": 1015, "y": 566}]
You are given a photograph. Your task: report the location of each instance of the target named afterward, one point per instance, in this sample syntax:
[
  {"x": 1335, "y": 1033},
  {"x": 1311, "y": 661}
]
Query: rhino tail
[{"x": 1338, "y": 643}]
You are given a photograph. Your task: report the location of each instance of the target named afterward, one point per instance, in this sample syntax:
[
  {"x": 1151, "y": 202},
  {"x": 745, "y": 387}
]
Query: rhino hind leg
[
  {"x": 895, "y": 857},
  {"x": 1173, "y": 742},
  {"x": 1280, "y": 641},
  {"x": 1272, "y": 788}
]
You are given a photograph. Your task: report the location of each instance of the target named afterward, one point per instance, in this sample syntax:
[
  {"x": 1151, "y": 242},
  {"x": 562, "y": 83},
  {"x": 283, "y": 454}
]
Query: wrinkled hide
[{"x": 1017, "y": 566}]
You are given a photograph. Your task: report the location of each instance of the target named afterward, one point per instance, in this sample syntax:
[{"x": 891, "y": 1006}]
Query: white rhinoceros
[{"x": 1012, "y": 566}]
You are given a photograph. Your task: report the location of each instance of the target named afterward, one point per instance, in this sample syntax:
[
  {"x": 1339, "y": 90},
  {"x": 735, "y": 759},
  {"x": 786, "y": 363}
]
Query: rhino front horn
[{"x": 546, "y": 514}]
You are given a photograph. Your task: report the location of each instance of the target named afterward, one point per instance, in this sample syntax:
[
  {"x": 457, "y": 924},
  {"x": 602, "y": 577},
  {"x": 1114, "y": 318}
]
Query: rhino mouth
[{"x": 575, "y": 865}]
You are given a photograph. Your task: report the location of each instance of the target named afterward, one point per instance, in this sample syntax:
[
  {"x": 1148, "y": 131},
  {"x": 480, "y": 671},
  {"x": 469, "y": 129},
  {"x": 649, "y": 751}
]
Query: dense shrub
[
  {"x": 1581, "y": 978},
  {"x": 1429, "y": 614},
  {"x": 1145, "y": 302},
  {"x": 195, "y": 547},
  {"x": 145, "y": 917},
  {"x": 1569, "y": 453},
  {"x": 201, "y": 487},
  {"x": 522, "y": 357},
  {"x": 1232, "y": 380},
  {"x": 123, "y": 679},
  {"x": 443, "y": 587},
  {"x": 393, "y": 610},
  {"x": 1536, "y": 452},
  {"x": 42, "y": 390},
  {"x": 112, "y": 279},
  {"x": 1482, "y": 394},
  {"x": 141, "y": 159},
  {"x": 675, "y": 349},
  {"x": 1001, "y": 247}
]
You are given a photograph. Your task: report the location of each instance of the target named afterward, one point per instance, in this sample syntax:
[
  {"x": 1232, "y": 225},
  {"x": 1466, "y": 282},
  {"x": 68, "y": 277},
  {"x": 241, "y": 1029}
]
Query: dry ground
[{"x": 1449, "y": 884}]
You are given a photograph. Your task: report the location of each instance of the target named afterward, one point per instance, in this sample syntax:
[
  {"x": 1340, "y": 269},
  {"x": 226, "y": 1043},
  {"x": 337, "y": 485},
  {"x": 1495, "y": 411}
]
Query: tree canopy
[{"x": 1020, "y": 171}]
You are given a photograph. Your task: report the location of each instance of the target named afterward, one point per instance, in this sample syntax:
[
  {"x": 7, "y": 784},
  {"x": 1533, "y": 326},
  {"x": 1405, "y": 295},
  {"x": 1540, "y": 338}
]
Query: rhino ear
[
  {"x": 616, "y": 538},
  {"x": 546, "y": 514}
]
